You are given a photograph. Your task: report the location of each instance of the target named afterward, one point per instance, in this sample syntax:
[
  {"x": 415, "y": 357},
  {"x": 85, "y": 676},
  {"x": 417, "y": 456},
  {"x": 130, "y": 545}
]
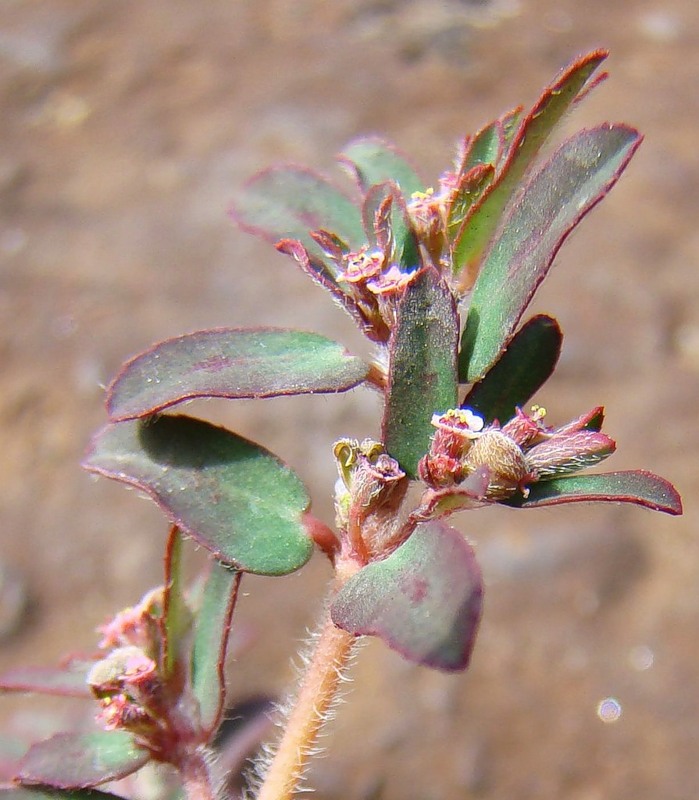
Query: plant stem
[
  {"x": 316, "y": 693},
  {"x": 196, "y": 776}
]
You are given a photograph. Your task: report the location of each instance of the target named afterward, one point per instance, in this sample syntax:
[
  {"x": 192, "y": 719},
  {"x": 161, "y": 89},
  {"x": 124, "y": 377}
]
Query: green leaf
[
  {"x": 424, "y": 600},
  {"x": 422, "y": 376},
  {"x": 521, "y": 370},
  {"x": 81, "y": 760},
  {"x": 177, "y": 617},
  {"x": 25, "y": 793},
  {"x": 289, "y": 202},
  {"x": 470, "y": 189},
  {"x": 491, "y": 145},
  {"x": 406, "y": 248},
  {"x": 211, "y": 632},
  {"x": 374, "y": 160},
  {"x": 70, "y": 681},
  {"x": 231, "y": 363},
  {"x": 533, "y": 131},
  {"x": 234, "y": 497},
  {"x": 485, "y": 147},
  {"x": 634, "y": 486},
  {"x": 573, "y": 181}
]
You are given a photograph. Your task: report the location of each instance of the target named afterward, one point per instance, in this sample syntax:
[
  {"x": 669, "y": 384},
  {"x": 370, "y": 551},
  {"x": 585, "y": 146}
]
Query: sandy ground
[{"x": 126, "y": 128}]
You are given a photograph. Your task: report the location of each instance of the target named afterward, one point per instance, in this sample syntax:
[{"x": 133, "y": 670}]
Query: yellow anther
[
  {"x": 422, "y": 195},
  {"x": 462, "y": 419},
  {"x": 538, "y": 412}
]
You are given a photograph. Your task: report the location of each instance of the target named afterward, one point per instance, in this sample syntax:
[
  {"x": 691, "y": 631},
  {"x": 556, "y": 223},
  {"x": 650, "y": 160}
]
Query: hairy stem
[
  {"x": 318, "y": 689},
  {"x": 197, "y": 780}
]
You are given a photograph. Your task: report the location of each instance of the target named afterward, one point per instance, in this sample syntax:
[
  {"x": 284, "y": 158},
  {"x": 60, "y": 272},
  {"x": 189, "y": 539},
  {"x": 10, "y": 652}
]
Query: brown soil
[{"x": 126, "y": 129}]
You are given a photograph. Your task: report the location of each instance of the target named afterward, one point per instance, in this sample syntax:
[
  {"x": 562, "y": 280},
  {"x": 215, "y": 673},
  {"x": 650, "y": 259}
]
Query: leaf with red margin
[
  {"x": 521, "y": 151},
  {"x": 231, "y": 363},
  {"x": 490, "y": 146},
  {"x": 576, "y": 177},
  {"x": 422, "y": 376},
  {"x": 406, "y": 248},
  {"x": 176, "y": 620},
  {"x": 522, "y": 369},
  {"x": 234, "y": 497},
  {"x": 69, "y": 681},
  {"x": 211, "y": 632},
  {"x": 469, "y": 494},
  {"x": 469, "y": 190},
  {"x": 298, "y": 252},
  {"x": 82, "y": 760},
  {"x": 373, "y": 160},
  {"x": 288, "y": 202},
  {"x": 424, "y": 600},
  {"x": 634, "y": 486},
  {"x": 27, "y": 793}
]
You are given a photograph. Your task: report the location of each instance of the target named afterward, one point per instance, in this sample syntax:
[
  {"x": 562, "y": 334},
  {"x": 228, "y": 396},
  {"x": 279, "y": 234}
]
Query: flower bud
[
  {"x": 369, "y": 479},
  {"x": 504, "y": 459},
  {"x": 122, "y": 668},
  {"x": 444, "y": 464},
  {"x": 564, "y": 453}
]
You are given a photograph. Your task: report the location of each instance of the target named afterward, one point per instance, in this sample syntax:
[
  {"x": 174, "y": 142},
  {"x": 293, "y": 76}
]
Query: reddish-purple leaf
[
  {"x": 578, "y": 175},
  {"x": 471, "y": 493},
  {"x": 70, "y": 681},
  {"x": 231, "y": 363},
  {"x": 424, "y": 600},
  {"x": 81, "y": 760},
  {"x": 591, "y": 421},
  {"x": 634, "y": 486}
]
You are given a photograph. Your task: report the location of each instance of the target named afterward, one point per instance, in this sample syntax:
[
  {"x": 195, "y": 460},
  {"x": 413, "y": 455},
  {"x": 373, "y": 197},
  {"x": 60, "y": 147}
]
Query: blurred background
[{"x": 126, "y": 129}]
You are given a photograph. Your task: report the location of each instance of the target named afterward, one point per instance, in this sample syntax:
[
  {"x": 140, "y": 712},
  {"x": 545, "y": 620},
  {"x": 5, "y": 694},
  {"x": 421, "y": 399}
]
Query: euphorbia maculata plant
[{"x": 438, "y": 278}]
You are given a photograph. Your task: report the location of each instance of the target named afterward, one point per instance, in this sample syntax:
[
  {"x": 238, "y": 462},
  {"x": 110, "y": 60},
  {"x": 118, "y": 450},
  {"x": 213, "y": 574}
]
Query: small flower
[
  {"x": 461, "y": 421},
  {"x": 457, "y": 430},
  {"x": 368, "y": 493},
  {"x": 428, "y": 215},
  {"x": 525, "y": 429},
  {"x": 120, "y": 712},
  {"x": 375, "y": 284},
  {"x": 391, "y": 282},
  {"x": 362, "y": 265},
  {"x": 368, "y": 475},
  {"x": 521, "y": 452},
  {"x": 128, "y": 688}
]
